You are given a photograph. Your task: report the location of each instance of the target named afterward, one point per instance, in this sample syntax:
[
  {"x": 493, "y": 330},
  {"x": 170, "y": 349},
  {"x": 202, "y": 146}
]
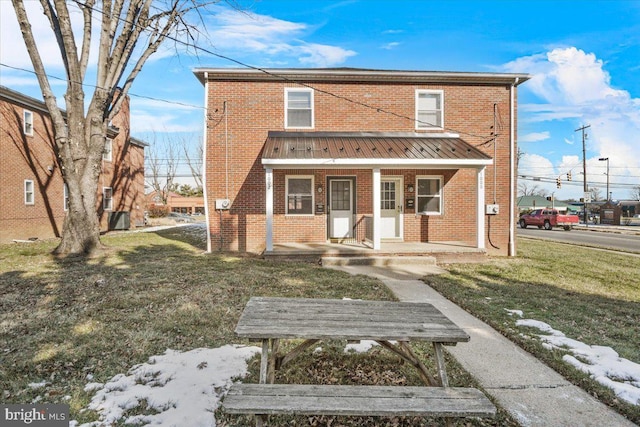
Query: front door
[
  {"x": 391, "y": 208},
  {"x": 341, "y": 208}
]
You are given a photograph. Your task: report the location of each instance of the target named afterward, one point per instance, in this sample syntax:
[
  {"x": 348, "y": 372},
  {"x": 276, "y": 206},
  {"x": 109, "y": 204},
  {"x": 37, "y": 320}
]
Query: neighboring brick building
[
  {"x": 328, "y": 155},
  {"x": 177, "y": 203},
  {"x": 32, "y": 191}
]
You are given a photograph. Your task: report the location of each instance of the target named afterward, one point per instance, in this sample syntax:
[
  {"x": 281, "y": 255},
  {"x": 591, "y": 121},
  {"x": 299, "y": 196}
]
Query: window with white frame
[
  {"x": 66, "y": 196},
  {"x": 298, "y": 108},
  {"x": 429, "y": 109},
  {"x": 107, "y": 198},
  {"x": 429, "y": 195},
  {"x": 29, "y": 192},
  {"x": 299, "y": 195},
  {"x": 108, "y": 149},
  {"x": 27, "y": 123}
]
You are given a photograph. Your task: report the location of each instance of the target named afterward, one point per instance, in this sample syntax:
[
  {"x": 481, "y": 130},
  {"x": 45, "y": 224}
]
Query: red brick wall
[
  {"x": 241, "y": 114},
  {"x": 30, "y": 157}
]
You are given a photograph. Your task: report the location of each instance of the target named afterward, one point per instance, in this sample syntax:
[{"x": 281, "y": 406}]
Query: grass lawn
[
  {"x": 592, "y": 296},
  {"x": 63, "y": 320}
]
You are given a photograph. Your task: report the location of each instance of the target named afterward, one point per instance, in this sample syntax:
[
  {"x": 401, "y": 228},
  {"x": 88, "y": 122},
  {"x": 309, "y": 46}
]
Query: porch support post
[
  {"x": 480, "y": 208},
  {"x": 376, "y": 209},
  {"x": 269, "y": 208}
]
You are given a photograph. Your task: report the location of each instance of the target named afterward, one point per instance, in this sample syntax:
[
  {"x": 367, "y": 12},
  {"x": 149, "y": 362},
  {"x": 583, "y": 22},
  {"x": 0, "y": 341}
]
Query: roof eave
[
  {"x": 358, "y": 75},
  {"x": 370, "y": 163}
]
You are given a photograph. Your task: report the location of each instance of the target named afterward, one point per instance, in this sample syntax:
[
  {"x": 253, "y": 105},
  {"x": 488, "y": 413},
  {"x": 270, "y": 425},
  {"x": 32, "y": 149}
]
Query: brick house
[
  {"x": 33, "y": 195},
  {"x": 359, "y": 156}
]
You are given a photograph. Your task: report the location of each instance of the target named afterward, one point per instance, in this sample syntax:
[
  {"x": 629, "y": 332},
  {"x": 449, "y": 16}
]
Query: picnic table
[{"x": 391, "y": 324}]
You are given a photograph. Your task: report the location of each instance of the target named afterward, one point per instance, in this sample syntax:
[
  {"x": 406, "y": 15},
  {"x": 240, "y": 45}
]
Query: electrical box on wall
[
  {"x": 493, "y": 209},
  {"x": 223, "y": 204}
]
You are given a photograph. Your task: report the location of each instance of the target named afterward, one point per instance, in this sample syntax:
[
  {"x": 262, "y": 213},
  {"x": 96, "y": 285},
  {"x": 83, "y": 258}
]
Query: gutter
[
  {"x": 512, "y": 161},
  {"x": 204, "y": 157}
]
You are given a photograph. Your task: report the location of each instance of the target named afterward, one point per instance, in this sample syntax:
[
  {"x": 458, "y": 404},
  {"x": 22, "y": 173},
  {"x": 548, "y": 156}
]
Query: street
[{"x": 592, "y": 236}]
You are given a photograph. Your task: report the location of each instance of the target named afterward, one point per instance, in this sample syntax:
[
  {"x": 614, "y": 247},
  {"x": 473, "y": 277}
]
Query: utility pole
[{"x": 584, "y": 168}]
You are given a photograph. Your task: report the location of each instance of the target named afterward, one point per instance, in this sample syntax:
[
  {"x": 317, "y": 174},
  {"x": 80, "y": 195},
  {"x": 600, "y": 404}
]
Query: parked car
[
  {"x": 547, "y": 219},
  {"x": 179, "y": 217}
]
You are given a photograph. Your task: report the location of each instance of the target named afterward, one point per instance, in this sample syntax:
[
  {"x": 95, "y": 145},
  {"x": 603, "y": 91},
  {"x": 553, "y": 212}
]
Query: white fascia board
[{"x": 367, "y": 163}]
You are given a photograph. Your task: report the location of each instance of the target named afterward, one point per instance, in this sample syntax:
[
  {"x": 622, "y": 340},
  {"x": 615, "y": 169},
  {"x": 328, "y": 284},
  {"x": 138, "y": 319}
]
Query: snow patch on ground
[
  {"x": 603, "y": 364},
  {"x": 178, "y": 389}
]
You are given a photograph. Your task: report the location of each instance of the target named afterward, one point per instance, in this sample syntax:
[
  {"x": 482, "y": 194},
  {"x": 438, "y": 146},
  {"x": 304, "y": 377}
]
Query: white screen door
[
  {"x": 390, "y": 209},
  {"x": 341, "y": 214}
]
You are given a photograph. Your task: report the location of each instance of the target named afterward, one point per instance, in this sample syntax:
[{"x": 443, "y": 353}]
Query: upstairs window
[
  {"x": 429, "y": 109},
  {"x": 27, "y": 123},
  {"x": 300, "y": 195},
  {"x": 298, "y": 108},
  {"x": 107, "y": 198},
  {"x": 108, "y": 149},
  {"x": 29, "y": 192},
  {"x": 429, "y": 195}
]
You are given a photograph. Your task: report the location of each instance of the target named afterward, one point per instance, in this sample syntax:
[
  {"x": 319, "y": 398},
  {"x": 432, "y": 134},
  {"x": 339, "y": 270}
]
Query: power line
[
  {"x": 94, "y": 86},
  {"x": 262, "y": 70}
]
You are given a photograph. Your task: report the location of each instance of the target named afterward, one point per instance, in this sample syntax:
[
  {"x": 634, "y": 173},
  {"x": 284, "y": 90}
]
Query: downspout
[
  {"x": 512, "y": 163},
  {"x": 204, "y": 160}
]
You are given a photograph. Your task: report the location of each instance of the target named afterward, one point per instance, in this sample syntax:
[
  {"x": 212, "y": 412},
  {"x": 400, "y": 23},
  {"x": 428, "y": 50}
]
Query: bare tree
[
  {"x": 596, "y": 194},
  {"x": 635, "y": 193},
  {"x": 195, "y": 162},
  {"x": 525, "y": 189},
  {"x": 162, "y": 166},
  {"x": 80, "y": 138}
]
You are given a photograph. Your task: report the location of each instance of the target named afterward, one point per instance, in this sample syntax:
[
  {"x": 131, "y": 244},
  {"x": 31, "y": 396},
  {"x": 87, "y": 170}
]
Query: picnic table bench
[{"x": 391, "y": 324}]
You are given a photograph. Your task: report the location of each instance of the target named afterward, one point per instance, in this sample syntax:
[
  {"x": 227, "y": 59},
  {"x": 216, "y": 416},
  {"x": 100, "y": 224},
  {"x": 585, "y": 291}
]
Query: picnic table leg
[
  {"x": 444, "y": 380},
  {"x": 264, "y": 358},
  {"x": 275, "y": 347},
  {"x": 442, "y": 371}
]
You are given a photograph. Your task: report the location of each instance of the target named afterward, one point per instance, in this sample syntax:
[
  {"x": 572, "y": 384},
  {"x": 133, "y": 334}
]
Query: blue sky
[{"x": 584, "y": 59}]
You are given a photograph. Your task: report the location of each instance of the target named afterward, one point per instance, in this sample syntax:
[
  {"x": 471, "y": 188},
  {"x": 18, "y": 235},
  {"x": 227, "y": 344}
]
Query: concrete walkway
[{"x": 530, "y": 391}]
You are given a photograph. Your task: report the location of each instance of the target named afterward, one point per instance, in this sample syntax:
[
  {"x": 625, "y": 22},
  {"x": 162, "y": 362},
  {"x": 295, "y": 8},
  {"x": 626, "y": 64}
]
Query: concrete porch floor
[{"x": 443, "y": 252}]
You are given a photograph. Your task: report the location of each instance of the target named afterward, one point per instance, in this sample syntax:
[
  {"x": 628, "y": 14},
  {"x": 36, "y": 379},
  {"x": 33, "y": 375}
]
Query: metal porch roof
[{"x": 322, "y": 149}]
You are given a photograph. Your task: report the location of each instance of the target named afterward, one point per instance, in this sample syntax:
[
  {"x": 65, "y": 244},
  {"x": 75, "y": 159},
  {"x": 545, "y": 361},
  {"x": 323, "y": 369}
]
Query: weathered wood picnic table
[{"x": 391, "y": 324}]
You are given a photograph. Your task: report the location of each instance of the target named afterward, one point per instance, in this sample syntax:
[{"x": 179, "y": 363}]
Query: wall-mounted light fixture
[
  {"x": 410, "y": 188},
  {"x": 319, "y": 189}
]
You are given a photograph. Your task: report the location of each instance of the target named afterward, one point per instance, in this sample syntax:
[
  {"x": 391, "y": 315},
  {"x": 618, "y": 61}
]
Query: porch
[{"x": 439, "y": 252}]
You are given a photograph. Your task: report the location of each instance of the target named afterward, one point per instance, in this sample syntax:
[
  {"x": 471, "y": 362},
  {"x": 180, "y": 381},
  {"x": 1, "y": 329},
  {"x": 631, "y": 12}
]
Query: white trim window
[
  {"x": 108, "y": 150},
  {"x": 29, "y": 192},
  {"x": 65, "y": 191},
  {"x": 429, "y": 195},
  {"x": 27, "y": 123},
  {"x": 107, "y": 198},
  {"x": 298, "y": 108},
  {"x": 429, "y": 109},
  {"x": 299, "y": 190}
]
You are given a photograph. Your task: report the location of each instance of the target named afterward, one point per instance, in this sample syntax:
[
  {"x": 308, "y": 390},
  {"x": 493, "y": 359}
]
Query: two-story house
[
  {"x": 33, "y": 195},
  {"x": 359, "y": 156}
]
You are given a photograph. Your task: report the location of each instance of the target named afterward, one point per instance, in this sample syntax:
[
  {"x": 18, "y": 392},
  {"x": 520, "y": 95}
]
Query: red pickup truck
[{"x": 548, "y": 218}]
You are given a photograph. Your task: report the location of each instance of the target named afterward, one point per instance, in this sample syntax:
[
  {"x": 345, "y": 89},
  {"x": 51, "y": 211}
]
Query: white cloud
[
  {"x": 389, "y": 46},
  {"x": 317, "y": 55},
  {"x": 573, "y": 84},
  {"x": 534, "y": 137},
  {"x": 162, "y": 121},
  {"x": 249, "y": 33}
]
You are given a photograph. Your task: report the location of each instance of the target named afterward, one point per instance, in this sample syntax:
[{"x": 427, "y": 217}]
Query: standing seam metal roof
[{"x": 358, "y": 145}]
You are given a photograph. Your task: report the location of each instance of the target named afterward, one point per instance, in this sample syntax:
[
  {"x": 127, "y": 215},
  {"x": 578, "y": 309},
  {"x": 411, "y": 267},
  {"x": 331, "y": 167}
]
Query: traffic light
[
  {"x": 569, "y": 176},
  {"x": 558, "y": 182}
]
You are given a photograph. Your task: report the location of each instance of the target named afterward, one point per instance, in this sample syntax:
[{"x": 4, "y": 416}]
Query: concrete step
[{"x": 378, "y": 261}]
